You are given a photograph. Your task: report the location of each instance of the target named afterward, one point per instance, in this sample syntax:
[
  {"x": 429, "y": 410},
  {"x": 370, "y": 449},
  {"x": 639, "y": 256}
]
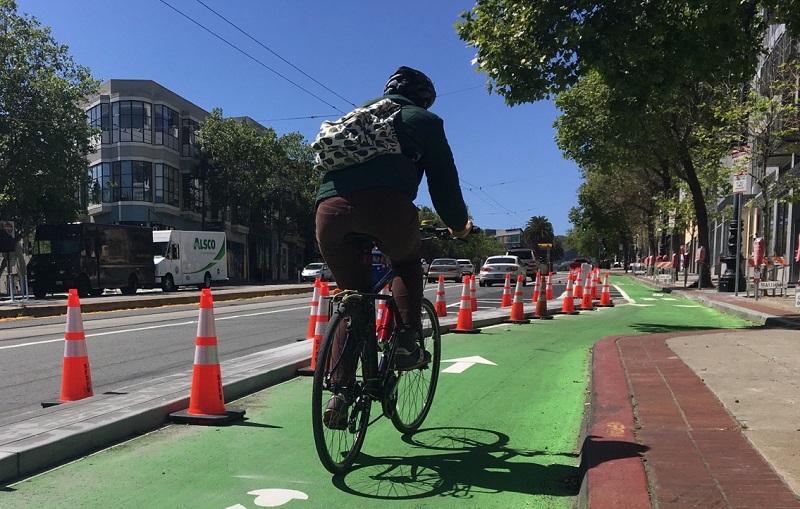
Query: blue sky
[{"x": 508, "y": 162}]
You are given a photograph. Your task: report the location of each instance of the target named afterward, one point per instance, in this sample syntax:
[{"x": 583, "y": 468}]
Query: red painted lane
[{"x": 613, "y": 468}]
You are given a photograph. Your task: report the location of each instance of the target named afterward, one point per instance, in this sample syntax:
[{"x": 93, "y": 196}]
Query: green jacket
[{"x": 420, "y": 132}]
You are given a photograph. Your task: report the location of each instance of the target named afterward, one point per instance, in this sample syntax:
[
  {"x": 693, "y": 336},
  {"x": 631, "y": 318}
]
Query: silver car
[
  {"x": 447, "y": 267},
  {"x": 495, "y": 268}
]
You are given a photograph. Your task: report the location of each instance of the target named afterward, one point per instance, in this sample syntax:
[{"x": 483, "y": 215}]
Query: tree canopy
[{"x": 44, "y": 133}]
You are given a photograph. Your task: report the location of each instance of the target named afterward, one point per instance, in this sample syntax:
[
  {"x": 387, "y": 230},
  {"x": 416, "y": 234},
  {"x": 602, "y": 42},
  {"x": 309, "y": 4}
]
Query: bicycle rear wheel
[
  {"x": 415, "y": 388},
  {"x": 338, "y": 448}
]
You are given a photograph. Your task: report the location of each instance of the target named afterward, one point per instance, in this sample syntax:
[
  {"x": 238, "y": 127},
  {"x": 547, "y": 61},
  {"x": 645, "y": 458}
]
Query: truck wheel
[
  {"x": 84, "y": 286},
  {"x": 133, "y": 285},
  {"x": 39, "y": 293},
  {"x": 207, "y": 280},
  {"x": 168, "y": 283}
]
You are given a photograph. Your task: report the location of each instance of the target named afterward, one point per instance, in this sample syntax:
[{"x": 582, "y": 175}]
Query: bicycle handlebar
[{"x": 444, "y": 233}]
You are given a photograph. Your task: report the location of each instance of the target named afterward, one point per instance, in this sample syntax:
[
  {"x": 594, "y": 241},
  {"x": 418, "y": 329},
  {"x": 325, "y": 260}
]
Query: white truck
[{"x": 189, "y": 258}]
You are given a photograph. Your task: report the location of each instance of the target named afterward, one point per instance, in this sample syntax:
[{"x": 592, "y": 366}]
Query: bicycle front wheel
[
  {"x": 342, "y": 372},
  {"x": 415, "y": 388}
]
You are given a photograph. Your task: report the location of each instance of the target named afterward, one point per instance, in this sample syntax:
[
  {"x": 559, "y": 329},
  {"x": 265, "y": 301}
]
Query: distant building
[
  {"x": 144, "y": 172},
  {"x": 509, "y": 238}
]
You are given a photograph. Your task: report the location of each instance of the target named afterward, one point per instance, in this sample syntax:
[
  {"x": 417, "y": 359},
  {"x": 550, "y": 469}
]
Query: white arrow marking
[
  {"x": 465, "y": 363},
  {"x": 276, "y": 497}
]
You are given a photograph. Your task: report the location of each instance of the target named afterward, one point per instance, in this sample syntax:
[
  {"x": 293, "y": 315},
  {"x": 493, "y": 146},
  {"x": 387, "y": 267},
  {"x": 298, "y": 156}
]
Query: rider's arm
[{"x": 440, "y": 169}]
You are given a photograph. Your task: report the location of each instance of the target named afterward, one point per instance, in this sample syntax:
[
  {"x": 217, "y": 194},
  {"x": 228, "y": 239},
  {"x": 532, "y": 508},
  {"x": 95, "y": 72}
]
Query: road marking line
[{"x": 34, "y": 343}]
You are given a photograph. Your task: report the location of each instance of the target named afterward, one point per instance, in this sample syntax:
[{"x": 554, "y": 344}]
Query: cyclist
[{"x": 376, "y": 197}]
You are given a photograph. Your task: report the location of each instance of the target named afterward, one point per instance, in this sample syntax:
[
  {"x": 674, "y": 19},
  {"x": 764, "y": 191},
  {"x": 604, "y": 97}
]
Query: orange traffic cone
[
  {"x": 517, "y": 307},
  {"x": 76, "y": 378},
  {"x": 595, "y": 282},
  {"x": 441, "y": 304},
  {"x": 541, "y": 305},
  {"x": 473, "y": 293},
  {"x": 312, "y": 318},
  {"x": 537, "y": 289},
  {"x": 319, "y": 330},
  {"x": 586, "y": 300},
  {"x": 549, "y": 288},
  {"x": 605, "y": 295},
  {"x": 464, "y": 324},
  {"x": 506, "y": 302},
  {"x": 206, "y": 403},
  {"x": 578, "y": 292},
  {"x": 568, "y": 306}
]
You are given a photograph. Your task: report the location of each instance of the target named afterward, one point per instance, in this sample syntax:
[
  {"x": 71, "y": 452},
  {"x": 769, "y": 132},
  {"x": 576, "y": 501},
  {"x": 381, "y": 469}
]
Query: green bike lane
[{"x": 504, "y": 431}]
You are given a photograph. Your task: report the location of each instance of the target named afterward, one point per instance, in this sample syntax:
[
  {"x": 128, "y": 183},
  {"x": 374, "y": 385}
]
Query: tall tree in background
[
  {"x": 667, "y": 66},
  {"x": 44, "y": 133}
]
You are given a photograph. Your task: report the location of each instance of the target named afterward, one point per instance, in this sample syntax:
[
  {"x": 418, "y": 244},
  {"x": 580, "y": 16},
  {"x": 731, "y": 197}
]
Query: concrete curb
[{"x": 44, "y": 309}]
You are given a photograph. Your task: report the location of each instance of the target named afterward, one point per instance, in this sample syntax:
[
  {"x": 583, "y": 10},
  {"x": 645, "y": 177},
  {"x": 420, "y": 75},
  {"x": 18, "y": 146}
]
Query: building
[
  {"x": 764, "y": 213},
  {"x": 145, "y": 172}
]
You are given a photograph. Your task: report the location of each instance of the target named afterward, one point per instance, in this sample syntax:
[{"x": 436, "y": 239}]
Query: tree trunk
[{"x": 701, "y": 213}]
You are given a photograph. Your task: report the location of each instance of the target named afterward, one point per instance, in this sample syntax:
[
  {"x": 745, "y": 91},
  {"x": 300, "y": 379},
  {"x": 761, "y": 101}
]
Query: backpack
[{"x": 362, "y": 134}]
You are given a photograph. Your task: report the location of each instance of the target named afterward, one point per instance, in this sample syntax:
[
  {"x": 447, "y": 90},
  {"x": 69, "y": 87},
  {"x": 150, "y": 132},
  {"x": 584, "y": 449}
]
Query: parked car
[
  {"x": 313, "y": 271},
  {"x": 467, "y": 269},
  {"x": 528, "y": 258},
  {"x": 447, "y": 267},
  {"x": 495, "y": 268}
]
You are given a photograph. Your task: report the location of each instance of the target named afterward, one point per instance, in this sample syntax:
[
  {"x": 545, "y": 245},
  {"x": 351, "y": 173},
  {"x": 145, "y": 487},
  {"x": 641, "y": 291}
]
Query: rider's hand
[{"x": 463, "y": 233}]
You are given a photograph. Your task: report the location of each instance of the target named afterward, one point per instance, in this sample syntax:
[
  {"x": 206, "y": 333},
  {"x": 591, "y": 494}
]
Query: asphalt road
[{"x": 130, "y": 347}]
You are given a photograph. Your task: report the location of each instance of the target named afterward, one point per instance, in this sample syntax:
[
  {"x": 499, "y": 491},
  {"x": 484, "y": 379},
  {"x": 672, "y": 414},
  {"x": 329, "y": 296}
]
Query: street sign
[
  {"x": 740, "y": 183},
  {"x": 8, "y": 227}
]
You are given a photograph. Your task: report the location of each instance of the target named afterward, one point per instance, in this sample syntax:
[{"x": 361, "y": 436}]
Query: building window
[
  {"x": 99, "y": 118},
  {"x": 192, "y": 194},
  {"x": 131, "y": 121},
  {"x": 189, "y": 129},
  {"x": 166, "y": 126},
  {"x": 167, "y": 190},
  {"x": 131, "y": 181},
  {"x": 99, "y": 184}
]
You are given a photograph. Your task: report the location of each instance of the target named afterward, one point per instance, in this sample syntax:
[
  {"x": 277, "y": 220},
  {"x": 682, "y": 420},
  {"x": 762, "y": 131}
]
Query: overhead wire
[
  {"x": 259, "y": 62},
  {"x": 274, "y": 53}
]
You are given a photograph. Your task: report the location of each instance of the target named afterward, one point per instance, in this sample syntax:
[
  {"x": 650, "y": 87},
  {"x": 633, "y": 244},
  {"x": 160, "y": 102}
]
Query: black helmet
[{"x": 412, "y": 84}]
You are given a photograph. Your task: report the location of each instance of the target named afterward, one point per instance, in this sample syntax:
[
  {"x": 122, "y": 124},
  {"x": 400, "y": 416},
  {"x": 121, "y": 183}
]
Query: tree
[
  {"x": 44, "y": 133},
  {"x": 246, "y": 163},
  {"x": 533, "y": 50},
  {"x": 666, "y": 68}
]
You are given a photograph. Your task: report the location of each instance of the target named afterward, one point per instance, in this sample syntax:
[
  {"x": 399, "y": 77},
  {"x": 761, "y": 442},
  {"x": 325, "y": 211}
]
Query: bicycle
[{"x": 405, "y": 396}]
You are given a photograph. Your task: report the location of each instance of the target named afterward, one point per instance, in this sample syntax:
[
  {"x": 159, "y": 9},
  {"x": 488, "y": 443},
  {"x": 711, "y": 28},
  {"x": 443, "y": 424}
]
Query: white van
[{"x": 189, "y": 258}]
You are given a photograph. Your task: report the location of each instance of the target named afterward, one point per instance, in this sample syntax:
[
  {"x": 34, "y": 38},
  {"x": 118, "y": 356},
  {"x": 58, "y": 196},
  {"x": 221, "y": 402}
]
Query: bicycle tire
[
  {"x": 338, "y": 448},
  {"x": 415, "y": 389}
]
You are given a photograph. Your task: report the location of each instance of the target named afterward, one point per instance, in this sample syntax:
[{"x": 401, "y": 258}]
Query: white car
[
  {"x": 467, "y": 269},
  {"x": 313, "y": 271},
  {"x": 495, "y": 268}
]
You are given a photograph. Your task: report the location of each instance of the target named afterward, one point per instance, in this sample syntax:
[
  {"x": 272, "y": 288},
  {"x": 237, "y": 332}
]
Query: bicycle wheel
[
  {"x": 415, "y": 389},
  {"x": 338, "y": 448}
]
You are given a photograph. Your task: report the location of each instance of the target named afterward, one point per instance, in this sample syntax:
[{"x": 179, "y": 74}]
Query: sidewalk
[{"x": 698, "y": 419}]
